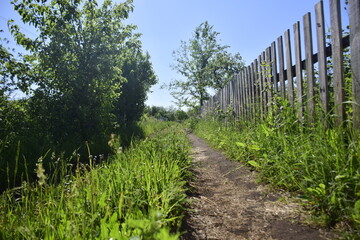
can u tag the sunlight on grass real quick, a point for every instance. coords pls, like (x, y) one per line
(136, 194)
(321, 166)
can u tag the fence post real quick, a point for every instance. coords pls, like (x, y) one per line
(235, 101)
(321, 45)
(281, 66)
(338, 61)
(274, 68)
(245, 94)
(232, 96)
(251, 91)
(257, 92)
(263, 82)
(354, 7)
(298, 69)
(309, 67)
(248, 93)
(289, 72)
(269, 88)
(260, 86)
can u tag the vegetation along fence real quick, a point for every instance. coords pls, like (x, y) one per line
(325, 82)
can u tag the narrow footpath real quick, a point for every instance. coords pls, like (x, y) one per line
(227, 203)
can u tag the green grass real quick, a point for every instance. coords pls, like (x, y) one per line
(137, 194)
(19, 156)
(151, 125)
(321, 166)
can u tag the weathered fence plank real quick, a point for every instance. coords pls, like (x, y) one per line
(252, 92)
(354, 7)
(249, 81)
(289, 72)
(274, 67)
(241, 112)
(338, 61)
(310, 76)
(233, 91)
(238, 96)
(228, 105)
(243, 94)
(281, 66)
(253, 89)
(261, 86)
(263, 82)
(298, 69)
(236, 99)
(321, 46)
(230, 97)
(222, 96)
(257, 87)
(248, 89)
(268, 78)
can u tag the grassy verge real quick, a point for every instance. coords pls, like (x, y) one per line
(320, 166)
(18, 157)
(136, 195)
(140, 130)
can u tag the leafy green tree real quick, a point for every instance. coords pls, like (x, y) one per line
(181, 115)
(76, 64)
(138, 71)
(11, 70)
(205, 64)
(81, 75)
(5, 86)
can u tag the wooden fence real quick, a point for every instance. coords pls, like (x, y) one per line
(307, 87)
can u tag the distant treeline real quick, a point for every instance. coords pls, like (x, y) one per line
(166, 114)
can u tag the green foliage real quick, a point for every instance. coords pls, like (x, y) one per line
(137, 194)
(76, 61)
(169, 114)
(205, 64)
(321, 165)
(140, 77)
(85, 77)
(135, 131)
(151, 125)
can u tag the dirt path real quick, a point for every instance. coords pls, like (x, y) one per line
(227, 203)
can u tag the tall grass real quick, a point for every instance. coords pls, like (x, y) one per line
(20, 155)
(137, 194)
(322, 166)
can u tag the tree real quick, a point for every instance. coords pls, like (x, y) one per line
(205, 64)
(81, 75)
(140, 76)
(76, 64)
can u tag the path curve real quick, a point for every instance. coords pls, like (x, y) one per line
(227, 203)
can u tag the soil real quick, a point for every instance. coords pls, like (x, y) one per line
(226, 202)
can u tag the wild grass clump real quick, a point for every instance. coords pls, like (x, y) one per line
(321, 165)
(133, 131)
(137, 194)
(151, 125)
(17, 157)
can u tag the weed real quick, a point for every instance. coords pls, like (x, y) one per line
(136, 194)
(321, 165)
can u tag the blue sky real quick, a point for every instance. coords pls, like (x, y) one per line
(248, 27)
